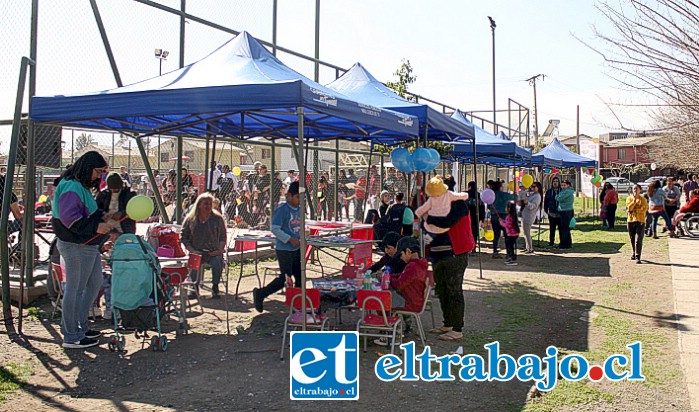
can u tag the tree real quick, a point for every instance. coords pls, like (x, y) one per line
(83, 141)
(654, 49)
(405, 79)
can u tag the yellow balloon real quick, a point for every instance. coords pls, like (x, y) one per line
(238, 201)
(511, 186)
(42, 198)
(527, 180)
(140, 207)
(489, 235)
(236, 171)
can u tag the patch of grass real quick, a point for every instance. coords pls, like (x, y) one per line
(33, 312)
(620, 287)
(12, 377)
(568, 394)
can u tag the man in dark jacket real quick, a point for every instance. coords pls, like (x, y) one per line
(551, 208)
(113, 200)
(395, 263)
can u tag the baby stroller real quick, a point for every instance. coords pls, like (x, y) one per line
(139, 294)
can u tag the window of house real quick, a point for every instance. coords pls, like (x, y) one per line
(164, 157)
(621, 154)
(244, 159)
(266, 154)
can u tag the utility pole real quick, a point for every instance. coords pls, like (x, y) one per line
(577, 144)
(532, 82)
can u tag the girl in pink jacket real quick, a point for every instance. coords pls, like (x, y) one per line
(511, 225)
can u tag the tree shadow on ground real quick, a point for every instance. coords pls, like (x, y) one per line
(565, 264)
(243, 371)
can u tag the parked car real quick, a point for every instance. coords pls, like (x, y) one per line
(620, 184)
(644, 184)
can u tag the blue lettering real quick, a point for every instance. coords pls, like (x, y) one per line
(409, 356)
(529, 368)
(473, 368)
(494, 359)
(383, 364)
(445, 362)
(636, 362)
(566, 367)
(425, 358)
(609, 370)
(551, 361)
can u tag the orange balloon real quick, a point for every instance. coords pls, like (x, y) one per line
(598, 184)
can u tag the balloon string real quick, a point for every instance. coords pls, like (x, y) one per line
(100, 234)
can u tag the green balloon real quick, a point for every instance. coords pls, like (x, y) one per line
(481, 232)
(408, 216)
(572, 223)
(139, 207)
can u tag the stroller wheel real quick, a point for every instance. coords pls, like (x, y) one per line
(112, 345)
(163, 343)
(154, 343)
(120, 344)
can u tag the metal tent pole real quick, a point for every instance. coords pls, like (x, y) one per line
(478, 199)
(302, 212)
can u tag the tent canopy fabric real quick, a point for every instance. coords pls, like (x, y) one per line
(238, 90)
(358, 83)
(496, 150)
(558, 152)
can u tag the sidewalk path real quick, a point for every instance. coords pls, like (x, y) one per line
(685, 281)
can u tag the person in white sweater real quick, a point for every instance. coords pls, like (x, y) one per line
(531, 204)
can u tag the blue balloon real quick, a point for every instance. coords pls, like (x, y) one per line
(424, 160)
(434, 158)
(402, 160)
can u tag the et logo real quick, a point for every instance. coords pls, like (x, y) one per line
(324, 365)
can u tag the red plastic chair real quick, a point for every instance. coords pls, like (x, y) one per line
(58, 279)
(294, 300)
(381, 324)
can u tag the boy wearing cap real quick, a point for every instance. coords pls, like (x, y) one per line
(409, 284)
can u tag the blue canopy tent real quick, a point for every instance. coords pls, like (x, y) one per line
(489, 149)
(557, 152)
(240, 90)
(359, 84)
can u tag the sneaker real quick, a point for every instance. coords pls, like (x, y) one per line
(638, 262)
(633, 257)
(496, 256)
(82, 344)
(257, 298)
(529, 252)
(384, 342)
(214, 292)
(508, 260)
(511, 263)
(93, 334)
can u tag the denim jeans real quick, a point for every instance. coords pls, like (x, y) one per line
(655, 217)
(216, 263)
(83, 273)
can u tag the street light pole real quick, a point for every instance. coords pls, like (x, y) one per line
(492, 28)
(161, 55)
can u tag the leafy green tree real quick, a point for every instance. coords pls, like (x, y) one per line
(405, 79)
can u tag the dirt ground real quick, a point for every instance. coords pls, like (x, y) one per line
(593, 300)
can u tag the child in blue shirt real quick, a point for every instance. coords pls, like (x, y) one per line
(286, 225)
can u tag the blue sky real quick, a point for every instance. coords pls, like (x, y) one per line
(447, 42)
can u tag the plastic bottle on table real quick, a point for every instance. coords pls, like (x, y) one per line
(367, 280)
(386, 278)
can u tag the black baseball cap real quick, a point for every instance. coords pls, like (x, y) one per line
(407, 242)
